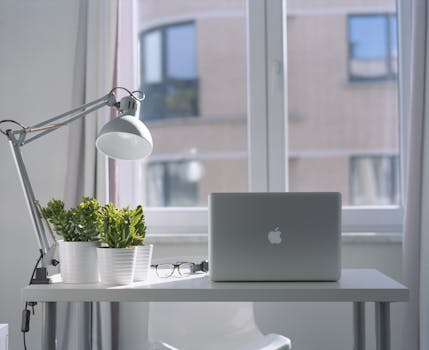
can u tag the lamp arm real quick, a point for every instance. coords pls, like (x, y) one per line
(31, 202)
(47, 126)
(17, 139)
(105, 99)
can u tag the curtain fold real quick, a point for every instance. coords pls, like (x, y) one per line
(416, 237)
(85, 326)
(93, 78)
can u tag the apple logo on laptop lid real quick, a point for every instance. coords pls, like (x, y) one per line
(275, 236)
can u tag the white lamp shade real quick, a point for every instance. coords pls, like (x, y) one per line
(126, 138)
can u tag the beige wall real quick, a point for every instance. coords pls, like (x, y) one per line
(158, 11)
(204, 134)
(333, 118)
(336, 113)
(222, 77)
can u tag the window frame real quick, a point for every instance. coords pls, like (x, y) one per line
(267, 128)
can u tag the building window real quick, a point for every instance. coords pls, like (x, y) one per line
(374, 180)
(373, 50)
(173, 183)
(169, 71)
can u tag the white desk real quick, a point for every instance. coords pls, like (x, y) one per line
(356, 285)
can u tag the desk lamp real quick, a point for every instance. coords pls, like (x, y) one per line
(124, 137)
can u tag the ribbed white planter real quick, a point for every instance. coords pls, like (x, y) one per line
(116, 265)
(78, 262)
(143, 260)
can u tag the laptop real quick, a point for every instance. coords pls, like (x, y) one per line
(288, 236)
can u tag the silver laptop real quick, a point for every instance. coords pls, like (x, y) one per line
(275, 236)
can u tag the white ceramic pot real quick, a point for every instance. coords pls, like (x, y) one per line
(116, 265)
(78, 262)
(143, 260)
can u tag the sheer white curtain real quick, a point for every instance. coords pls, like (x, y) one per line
(84, 325)
(93, 78)
(416, 239)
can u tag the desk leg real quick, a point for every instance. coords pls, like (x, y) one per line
(359, 325)
(382, 325)
(49, 324)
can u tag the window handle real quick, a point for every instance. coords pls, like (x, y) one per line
(277, 75)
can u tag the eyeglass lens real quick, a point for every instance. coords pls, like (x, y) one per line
(165, 270)
(185, 269)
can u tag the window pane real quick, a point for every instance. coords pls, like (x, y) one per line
(152, 57)
(393, 27)
(374, 180)
(368, 37)
(372, 46)
(197, 112)
(174, 91)
(343, 132)
(181, 55)
(173, 183)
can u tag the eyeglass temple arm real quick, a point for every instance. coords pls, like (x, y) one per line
(202, 266)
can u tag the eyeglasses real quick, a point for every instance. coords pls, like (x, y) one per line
(183, 268)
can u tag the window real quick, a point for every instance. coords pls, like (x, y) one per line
(193, 72)
(337, 122)
(302, 128)
(173, 184)
(374, 180)
(372, 46)
(168, 67)
(329, 122)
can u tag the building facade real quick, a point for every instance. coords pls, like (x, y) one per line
(341, 96)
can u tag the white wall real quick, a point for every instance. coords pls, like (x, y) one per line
(37, 41)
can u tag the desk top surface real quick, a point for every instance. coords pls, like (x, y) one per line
(354, 285)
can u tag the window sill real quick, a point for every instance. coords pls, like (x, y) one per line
(346, 238)
(195, 120)
(369, 237)
(365, 83)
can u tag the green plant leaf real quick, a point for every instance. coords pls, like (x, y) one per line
(122, 228)
(76, 224)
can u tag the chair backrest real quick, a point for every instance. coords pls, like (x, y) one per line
(188, 325)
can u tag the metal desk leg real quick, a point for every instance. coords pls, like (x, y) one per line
(49, 324)
(382, 325)
(359, 325)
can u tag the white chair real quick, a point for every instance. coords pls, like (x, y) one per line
(208, 326)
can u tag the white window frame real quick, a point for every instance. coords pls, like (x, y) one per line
(267, 130)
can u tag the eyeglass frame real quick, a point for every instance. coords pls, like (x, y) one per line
(203, 266)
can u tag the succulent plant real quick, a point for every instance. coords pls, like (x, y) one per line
(80, 224)
(138, 226)
(122, 228)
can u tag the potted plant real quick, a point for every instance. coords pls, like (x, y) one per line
(143, 252)
(80, 228)
(117, 258)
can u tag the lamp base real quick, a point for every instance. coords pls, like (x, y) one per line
(41, 276)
